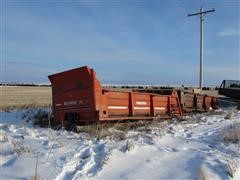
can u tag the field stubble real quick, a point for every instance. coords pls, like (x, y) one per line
(23, 97)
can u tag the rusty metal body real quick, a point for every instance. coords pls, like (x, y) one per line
(79, 98)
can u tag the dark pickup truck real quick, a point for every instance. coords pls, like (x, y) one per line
(230, 88)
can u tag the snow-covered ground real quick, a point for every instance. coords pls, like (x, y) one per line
(177, 150)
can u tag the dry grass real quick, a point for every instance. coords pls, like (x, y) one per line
(23, 97)
(103, 130)
(202, 174)
(18, 148)
(232, 135)
(41, 118)
(119, 130)
(232, 167)
(38, 177)
(229, 115)
(129, 146)
(3, 137)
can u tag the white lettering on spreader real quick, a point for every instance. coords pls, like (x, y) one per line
(68, 103)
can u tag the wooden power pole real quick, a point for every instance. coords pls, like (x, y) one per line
(201, 15)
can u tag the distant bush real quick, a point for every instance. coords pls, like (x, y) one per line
(205, 88)
(24, 84)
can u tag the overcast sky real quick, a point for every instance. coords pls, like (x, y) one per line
(138, 42)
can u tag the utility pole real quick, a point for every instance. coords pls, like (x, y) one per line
(201, 15)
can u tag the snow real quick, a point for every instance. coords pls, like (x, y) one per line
(166, 150)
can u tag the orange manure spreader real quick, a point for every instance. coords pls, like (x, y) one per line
(79, 98)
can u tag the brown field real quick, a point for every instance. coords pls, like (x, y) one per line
(19, 97)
